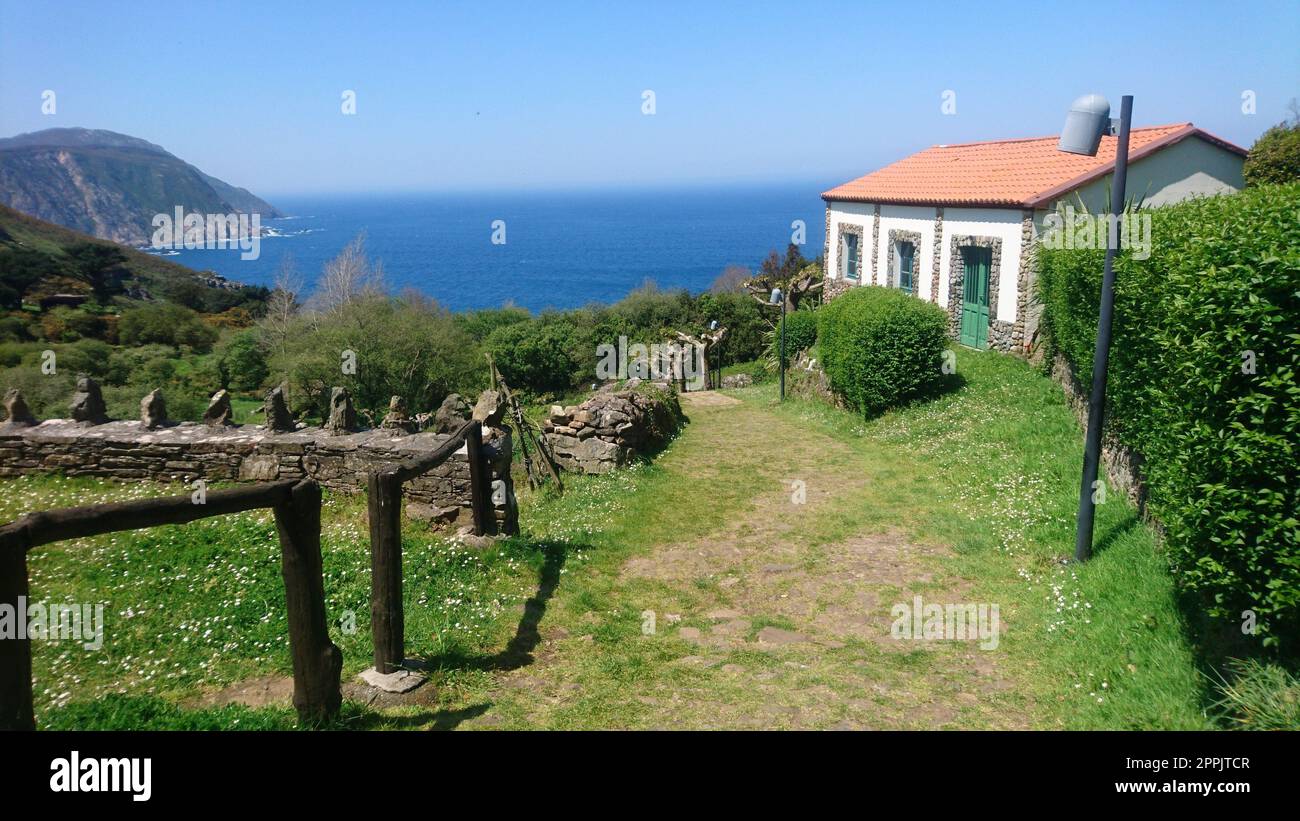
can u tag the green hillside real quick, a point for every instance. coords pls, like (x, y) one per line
(20, 232)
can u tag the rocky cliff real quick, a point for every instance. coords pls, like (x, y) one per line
(110, 185)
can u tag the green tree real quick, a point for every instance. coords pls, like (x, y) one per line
(100, 266)
(1274, 159)
(407, 346)
(540, 356)
(241, 362)
(20, 269)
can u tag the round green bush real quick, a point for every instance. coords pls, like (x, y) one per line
(880, 346)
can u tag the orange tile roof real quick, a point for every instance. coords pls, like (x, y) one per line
(1021, 173)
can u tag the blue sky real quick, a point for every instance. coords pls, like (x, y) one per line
(538, 96)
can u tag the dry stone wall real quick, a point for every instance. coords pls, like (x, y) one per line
(612, 427)
(189, 451)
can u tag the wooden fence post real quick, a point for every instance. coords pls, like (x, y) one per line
(480, 490)
(317, 662)
(387, 623)
(15, 653)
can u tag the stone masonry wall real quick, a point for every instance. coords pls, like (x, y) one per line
(189, 451)
(611, 428)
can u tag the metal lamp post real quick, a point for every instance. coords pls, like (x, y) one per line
(1088, 120)
(716, 367)
(778, 297)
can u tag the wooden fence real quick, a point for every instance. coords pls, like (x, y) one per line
(387, 622)
(317, 662)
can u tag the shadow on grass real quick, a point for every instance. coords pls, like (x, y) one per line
(1115, 532)
(426, 720)
(1231, 660)
(946, 384)
(518, 652)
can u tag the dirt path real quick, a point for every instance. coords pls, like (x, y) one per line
(777, 618)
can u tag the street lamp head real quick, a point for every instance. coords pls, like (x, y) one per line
(776, 296)
(713, 325)
(1088, 120)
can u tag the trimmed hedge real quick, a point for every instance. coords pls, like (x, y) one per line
(880, 346)
(1220, 293)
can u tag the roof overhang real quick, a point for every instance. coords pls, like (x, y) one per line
(1147, 150)
(1043, 198)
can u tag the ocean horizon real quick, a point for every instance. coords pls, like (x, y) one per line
(561, 249)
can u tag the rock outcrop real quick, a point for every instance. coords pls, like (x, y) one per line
(490, 408)
(396, 420)
(277, 413)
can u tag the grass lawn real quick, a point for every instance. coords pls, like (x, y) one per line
(698, 591)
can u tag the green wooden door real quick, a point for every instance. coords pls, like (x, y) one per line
(975, 296)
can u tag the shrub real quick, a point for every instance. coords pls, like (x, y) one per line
(539, 356)
(46, 395)
(165, 324)
(127, 364)
(88, 356)
(407, 346)
(1204, 381)
(800, 335)
(880, 346)
(64, 324)
(480, 324)
(744, 320)
(15, 329)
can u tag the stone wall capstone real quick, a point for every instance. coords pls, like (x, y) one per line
(187, 451)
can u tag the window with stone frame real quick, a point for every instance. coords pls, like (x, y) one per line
(850, 254)
(905, 265)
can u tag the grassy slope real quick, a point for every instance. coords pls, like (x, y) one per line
(1000, 462)
(978, 487)
(54, 239)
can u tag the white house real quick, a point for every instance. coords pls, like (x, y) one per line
(957, 224)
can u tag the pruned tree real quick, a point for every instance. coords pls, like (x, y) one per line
(706, 343)
(798, 278)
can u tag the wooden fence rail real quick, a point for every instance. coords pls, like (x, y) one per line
(387, 621)
(317, 662)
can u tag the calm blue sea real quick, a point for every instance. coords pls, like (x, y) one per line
(562, 250)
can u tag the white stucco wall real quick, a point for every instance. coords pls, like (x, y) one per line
(1191, 168)
(919, 219)
(984, 222)
(851, 213)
